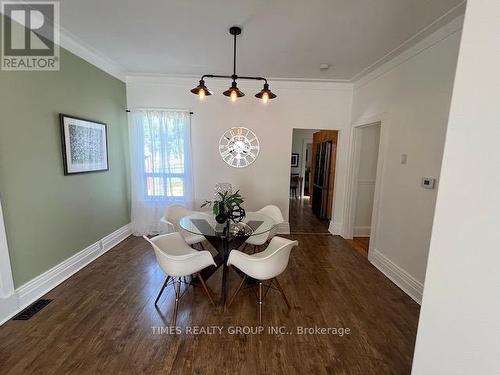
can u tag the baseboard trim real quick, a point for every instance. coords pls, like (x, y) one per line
(27, 293)
(284, 228)
(397, 275)
(362, 231)
(335, 228)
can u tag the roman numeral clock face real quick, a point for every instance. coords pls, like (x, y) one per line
(239, 147)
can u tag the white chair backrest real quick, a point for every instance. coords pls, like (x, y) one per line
(268, 263)
(173, 254)
(174, 213)
(274, 213)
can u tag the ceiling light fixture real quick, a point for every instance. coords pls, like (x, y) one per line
(233, 92)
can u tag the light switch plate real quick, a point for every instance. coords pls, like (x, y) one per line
(428, 182)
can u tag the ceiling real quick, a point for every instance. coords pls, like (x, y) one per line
(281, 38)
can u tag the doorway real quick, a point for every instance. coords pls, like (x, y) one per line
(366, 159)
(312, 180)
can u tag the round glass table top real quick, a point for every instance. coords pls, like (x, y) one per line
(204, 223)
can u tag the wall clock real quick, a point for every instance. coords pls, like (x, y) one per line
(239, 147)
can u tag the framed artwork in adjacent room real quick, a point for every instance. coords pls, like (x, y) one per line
(84, 145)
(295, 160)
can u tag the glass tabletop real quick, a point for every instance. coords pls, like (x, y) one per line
(204, 223)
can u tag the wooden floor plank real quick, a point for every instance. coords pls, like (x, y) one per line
(101, 320)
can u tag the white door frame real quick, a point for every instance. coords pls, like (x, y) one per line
(381, 119)
(305, 142)
(6, 281)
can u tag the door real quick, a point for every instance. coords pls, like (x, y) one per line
(322, 179)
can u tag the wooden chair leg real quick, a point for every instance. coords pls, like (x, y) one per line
(282, 292)
(162, 289)
(260, 304)
(206, 289)
(235, 293)
(177, 285)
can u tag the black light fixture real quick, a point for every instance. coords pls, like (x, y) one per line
(265, 94)
(233, 92)
(201, 90)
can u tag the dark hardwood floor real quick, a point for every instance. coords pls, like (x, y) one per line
(302, 219)
(102, 321)
(360, 244)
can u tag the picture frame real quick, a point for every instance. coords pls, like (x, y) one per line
(295, 160)
(84, 145)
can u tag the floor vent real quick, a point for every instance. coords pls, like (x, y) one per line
(32, 309)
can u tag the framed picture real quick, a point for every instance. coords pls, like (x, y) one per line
(84, 145)
(295, 160)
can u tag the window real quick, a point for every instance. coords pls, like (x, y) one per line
(164, 157)
(160, 149)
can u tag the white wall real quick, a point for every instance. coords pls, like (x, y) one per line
(367, 172)
(413, 93)
(299, 105)
(459, 328)
(299, 136)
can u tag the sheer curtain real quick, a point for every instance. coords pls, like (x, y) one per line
(161, 171)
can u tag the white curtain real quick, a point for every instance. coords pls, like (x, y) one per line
(161, 170)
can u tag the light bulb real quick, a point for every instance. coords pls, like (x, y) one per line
(234, 96)
(201, 94)
(265, 97)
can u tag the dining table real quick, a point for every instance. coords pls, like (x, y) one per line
(225, 237)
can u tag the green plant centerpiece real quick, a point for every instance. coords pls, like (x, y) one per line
(227, 206)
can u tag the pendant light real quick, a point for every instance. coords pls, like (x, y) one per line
(265, 94)
(233, 92)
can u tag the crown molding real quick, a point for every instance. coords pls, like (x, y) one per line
(450, 29)
(452, 15)
(188, 81)
(88, 53)
(78, 47)
(73, 44)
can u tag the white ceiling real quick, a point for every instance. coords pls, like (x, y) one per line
(281, 38)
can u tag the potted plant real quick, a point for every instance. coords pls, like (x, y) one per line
(227, 206)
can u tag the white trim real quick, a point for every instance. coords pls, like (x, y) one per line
(425, 38)
(381, 119)
(305, 142)
(78, 47)
(394, 59)
(397, 275)
(42, 284)
(196, 77)
(284, 228)
(221, 83)
(6, 281)
(335, 228)
(362, 231)
(413, 45)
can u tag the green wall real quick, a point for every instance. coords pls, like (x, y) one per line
(49, 216)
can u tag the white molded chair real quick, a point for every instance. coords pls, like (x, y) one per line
(274, 213)
(263, 266)
(170, 223)
(179, 260)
